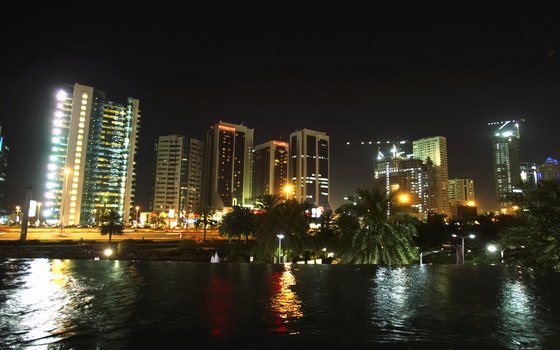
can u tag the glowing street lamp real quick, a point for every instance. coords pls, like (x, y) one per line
(288, 189)
(280, 236)
(471, 236)
(403, 198)
(108, 252)
(18, 209)
(492, 248)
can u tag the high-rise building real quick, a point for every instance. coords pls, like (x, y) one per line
(549, 171)
(461, 192)
(270, 168)
(227, 168)
(528, 173)
(3, 166)
(177, 174)
(405, 178)
(505, 150)
(435, 149)
(309, 167)
(92, 156)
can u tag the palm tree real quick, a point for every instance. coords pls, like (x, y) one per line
(237, 223)
(268, 201)
(369, 236)
(288, 218)
(111, 225)
(325, 235)
(205, 220)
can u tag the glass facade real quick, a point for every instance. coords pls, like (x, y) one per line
(506, 160)
(91, 164)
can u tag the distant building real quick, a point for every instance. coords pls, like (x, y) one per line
(461, 191)
(92, 156)
(528, 173)
(407, 179)
(435, 149)
(177, 175)
(549, 171)
(309, 167)
(464, 212)
(461, 199)
(270, 168)
(3, 167)
(506, 159)
(227, 166)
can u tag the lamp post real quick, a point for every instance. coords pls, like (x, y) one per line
(280, 236)
(17, 214)
(63, 198)
(39, 213)
(463, 246)
(137, 209)
(492, 248)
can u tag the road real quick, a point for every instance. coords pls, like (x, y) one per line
(89, 234)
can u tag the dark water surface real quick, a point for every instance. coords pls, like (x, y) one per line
(81, 304)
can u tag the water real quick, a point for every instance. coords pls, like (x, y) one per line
(81, 304)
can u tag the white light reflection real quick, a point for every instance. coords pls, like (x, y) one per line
(520, 324)
(391, 294)
(36, 305)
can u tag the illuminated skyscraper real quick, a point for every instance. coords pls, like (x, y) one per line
(528, 173)
(227, 168)
(505, 149)
(177, 174)
(404, 177)
(435, 148)
(270, 168)
(91, 162)
(461, 192)
(309, 167)
(3, 166)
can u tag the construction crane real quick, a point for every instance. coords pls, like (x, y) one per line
(508, 131)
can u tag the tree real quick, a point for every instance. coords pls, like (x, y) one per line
(369, 236)
(268, 201)
(288, 218)
(325, 236)
(237, 223)
(205, 220)
(112, 225)
(533, 237)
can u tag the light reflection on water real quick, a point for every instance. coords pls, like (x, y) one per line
(519, 312)
(284, 302)
(82, 304)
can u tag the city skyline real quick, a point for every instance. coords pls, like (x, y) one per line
(397, 74)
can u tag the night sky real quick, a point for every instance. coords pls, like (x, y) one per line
(357, 73)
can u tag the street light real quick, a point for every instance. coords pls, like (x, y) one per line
(492, 248)
(137, 208)
(288, 189)
(463, 246)
(39, 213)
(280, 236)
(17, 214)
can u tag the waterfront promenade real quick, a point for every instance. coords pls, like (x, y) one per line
(12, 233)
